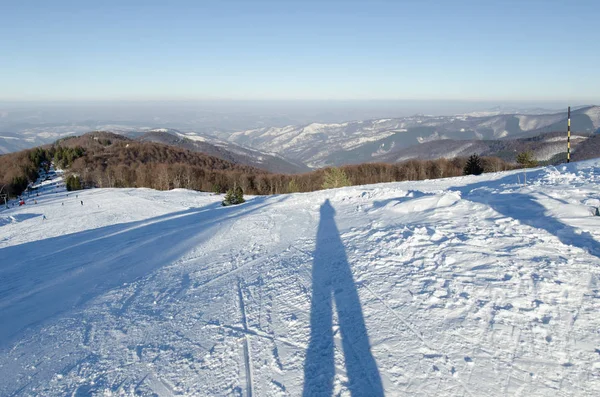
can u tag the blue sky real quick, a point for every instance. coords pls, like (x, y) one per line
(161, 50)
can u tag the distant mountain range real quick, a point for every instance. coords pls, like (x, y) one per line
(295, 148)
(319, 145)
(11, 142)
(546, 147)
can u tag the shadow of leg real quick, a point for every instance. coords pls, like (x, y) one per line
(332, 277)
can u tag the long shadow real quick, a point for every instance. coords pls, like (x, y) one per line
(23, 252)
(527, 210)
(332, 281)
(6, 220)
(58, 274)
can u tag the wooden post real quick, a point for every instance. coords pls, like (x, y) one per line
(569, 135)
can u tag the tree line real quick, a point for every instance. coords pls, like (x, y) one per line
(19, 169)
(108, 160)
(165, 176)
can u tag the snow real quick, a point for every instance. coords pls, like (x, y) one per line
(564, 138)
(430, 138)
(193, 137)
(361, 140)
(528, 123)
(316, 128)
(594, 114)
(497, 124)
(475, 286)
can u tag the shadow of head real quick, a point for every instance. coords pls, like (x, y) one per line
(327, 209)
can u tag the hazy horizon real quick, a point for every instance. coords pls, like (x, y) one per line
(208, 116)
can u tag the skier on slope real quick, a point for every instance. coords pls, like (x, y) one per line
(81, 202)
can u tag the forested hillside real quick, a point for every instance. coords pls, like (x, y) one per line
(102, 159)
(224, 150)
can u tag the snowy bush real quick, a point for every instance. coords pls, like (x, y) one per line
(233, 197)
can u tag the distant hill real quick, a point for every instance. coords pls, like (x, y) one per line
(112, 160)
(115, 149)
(104, 159)
(545, 147)
(590, 149)
(11, 142)
(291, 149)
(224, 150)
(354, 142)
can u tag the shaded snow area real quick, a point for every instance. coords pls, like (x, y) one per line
(471, 286)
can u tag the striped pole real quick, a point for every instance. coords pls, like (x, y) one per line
(569, 135)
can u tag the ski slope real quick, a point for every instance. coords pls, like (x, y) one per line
(471, 286)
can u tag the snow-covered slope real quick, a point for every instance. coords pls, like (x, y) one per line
(593, 113)
(471, 286)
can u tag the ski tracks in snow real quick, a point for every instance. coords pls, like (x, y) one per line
(460, 296)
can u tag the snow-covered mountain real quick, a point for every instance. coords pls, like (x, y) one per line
(321, 144)
(229, 151)
(31, 136)
(473, 286)
(544, 148)
(10, 142)
(360, 141)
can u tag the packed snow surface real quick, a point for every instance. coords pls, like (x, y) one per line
(472, 286)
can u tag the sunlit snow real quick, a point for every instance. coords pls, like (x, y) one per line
(474, 286)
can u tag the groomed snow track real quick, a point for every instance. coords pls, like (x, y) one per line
(466, 286)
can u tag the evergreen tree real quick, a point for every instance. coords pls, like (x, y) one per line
(216, 188)
(233, 197)
(229, 198)
(239, 195)
(73, 183)
(293, 186)
(473, 166)
(526, 160)
(335, 177)
(19, 184)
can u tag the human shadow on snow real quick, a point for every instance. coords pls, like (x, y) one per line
(42, 279)
(332, 281)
